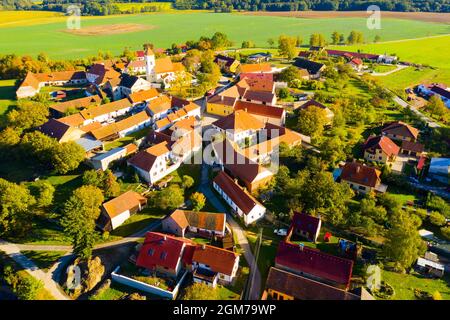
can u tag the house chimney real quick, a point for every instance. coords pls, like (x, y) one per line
(358, 169)
(301, 246)
(203, 247)
(221, 98)
(165, 237)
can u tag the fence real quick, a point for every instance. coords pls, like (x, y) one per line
(147, 287)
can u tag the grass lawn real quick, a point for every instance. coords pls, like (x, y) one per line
(7, 96)
(44, 259)
(404, 285)
(381, 68)
(233, 292)
(402, 195)
(116, 291)
(137, 222)
(193, 170)
(49, 34)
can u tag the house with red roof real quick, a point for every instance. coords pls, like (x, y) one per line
(313, 264)
(241, 202)
(305, 226)
(170, 255)
(380, 149)
(400, 131)
(362, 178)
(356, 64)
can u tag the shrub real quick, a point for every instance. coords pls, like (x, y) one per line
(446, 232)
(437, 219)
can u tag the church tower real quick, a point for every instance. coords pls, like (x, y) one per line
(149, 64)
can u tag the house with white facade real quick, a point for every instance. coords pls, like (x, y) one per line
(105, 112)
(241, 202)
(162, 70)
(101, 161)
(116, 211)
(203, 224)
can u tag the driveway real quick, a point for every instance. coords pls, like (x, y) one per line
(405, 104)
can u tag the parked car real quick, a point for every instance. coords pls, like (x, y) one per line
(280, 232)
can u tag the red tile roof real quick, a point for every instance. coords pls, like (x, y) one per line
(361, 174)
(245, 201)
(413, 146)
(367, 56)
(400, 128)
(313, 262)
(305, 222)
(259, 109)
(239, 121)
(160, 250)
(384, 143)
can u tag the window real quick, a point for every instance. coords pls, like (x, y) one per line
(380, 158)
(163, 255)
(151, 252)
(362, 188)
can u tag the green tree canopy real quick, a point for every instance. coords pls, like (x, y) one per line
(198, 200)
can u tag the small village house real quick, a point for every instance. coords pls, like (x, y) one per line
(400, 131)
(204, 224)
(116, 211)
(241, 202)
(361, 178)
(227, 64)
(380, 149)
(305, 226)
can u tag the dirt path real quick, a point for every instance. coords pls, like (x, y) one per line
(50, 285)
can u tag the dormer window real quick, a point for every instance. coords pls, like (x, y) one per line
(163, 255)
(151, 252)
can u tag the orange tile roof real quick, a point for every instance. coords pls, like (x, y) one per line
(106, 108)
(163, 65)
(124, 202)
(144, 95)
(239, 121)
(162, 123)
(255, 67)
(30, 81)
(219, 260)
(384, 143)
(115, 128)
(160, 104)
(146, 158)
(203, 220)
(260, 109)
(73, 120)
(91, 126)
(131, 148)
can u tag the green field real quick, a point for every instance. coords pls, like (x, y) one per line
(433, 52)
(167, 28)
(7, 96)
(162, 6)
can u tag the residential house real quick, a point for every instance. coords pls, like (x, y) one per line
(210, 263)
(170, 255)
(227, 64)
(362, 178)
(105, 112)
(413, 149)
(130, 84)
(440, 170)
(33, 82)
(313, 264)
(101, 161)
(144, 96)
(163, 253)
(242, 203)
(263, 113)
(255, 68)
(353, 55)
(90, 145)
(136, 67)
(99, 74)
(356, 64)
(439, 90)
(61, 131)
(123, 127)
(305, 226)
(380, 149)
(61, 108)
(116, 211)
(285, 285)
(203, 224)
(259, 57)
(314, 68)
(400, 131)
(239, 127)
(269, 140)
(231, 159)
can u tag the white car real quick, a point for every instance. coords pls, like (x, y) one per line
(280, 232)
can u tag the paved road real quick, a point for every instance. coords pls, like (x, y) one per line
(383, 74)
(49, 283)
(255, 274)
(405, 104)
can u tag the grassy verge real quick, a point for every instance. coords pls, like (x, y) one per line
(44, 259)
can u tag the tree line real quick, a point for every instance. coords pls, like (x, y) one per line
(107, 7)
